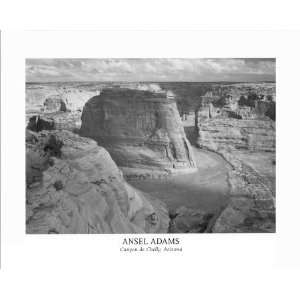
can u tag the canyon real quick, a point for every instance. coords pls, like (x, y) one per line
(247, 142)
(136, 158)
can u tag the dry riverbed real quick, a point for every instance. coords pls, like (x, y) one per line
(207, 189)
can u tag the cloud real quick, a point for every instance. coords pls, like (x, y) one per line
(163, 69)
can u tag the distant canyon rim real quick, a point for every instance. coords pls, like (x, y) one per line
(150, 157)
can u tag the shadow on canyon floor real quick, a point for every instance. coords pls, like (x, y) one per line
(206, 189)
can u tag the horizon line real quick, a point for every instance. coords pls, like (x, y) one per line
(152, 81)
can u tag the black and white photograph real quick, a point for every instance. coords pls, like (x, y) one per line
(149, 150)
(150, 145)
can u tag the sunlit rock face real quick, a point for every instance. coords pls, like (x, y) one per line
(54, 98)
(55, 103)
(252, 194)
(254, 135)
(140, 129)
(220, 128)
(73, 186)
(246, 139)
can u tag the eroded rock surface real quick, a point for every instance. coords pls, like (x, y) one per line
(246, 140)
(228, 132)
(53, 98)
(140, 129)
(187, 220)
(37, 123)
(55, 103)
(252, 200)
(56, 120)
(73, 186)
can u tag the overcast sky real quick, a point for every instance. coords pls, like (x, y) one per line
(170, 69)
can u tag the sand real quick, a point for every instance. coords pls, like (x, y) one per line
(206, 189)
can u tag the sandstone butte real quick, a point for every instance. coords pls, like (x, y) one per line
(73, 186)
(141, 130)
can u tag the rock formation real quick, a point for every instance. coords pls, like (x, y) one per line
(37, 123)
(73, 186)
(53, 97)
(187, 220)
(140, 129)
(252, 200)
(248, 145)
(255, 135)
(54, 103)
(221, 128)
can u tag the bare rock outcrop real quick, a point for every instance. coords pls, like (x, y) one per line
(141, 130)
(55, 103)
(73, 186)
(37, 123)
(187, 220)
(248, 145)
(56, 120)
(252, 201)
(254, 135)
(55, 97)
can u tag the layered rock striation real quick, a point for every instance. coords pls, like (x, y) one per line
(141, 130)
(53, 98)
(253, 135)
(222, 128)
(55, 103)
(248, 144)
(73, 186)
(252, 200)
(59, 106)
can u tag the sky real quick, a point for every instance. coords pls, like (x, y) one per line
(162, 69)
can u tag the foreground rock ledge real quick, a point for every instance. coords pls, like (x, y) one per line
(73, 186)
(141, 130)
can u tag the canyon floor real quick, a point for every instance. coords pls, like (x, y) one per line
(223, 168)
(207, 189)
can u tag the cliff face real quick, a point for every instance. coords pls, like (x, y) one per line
(60, 106)
(54, 103)
(140, 129)
(73, 186)
(48, 98)
(252, 196)
(248, 145)
(222, 131)
(255, 135)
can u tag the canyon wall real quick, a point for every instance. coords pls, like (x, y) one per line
(252, 206)
(59, 105)
(254, 135)
(141, 130)
(51, 98)
(222, 128)
(73, 186)
(246, 139)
